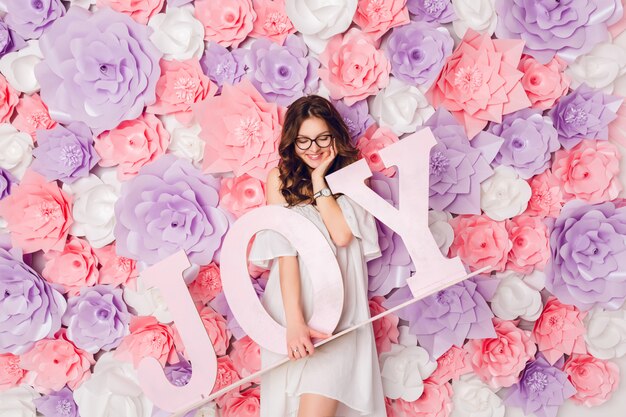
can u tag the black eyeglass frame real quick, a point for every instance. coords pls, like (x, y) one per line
(322, 136)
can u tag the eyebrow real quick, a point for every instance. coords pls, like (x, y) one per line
(321, 134)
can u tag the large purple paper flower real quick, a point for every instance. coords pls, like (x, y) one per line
(567, 27)
(356, 117)
(100, 68)
(439, 11)
(169, 206)
(7, 180)
(584, 113)
(223, 66)
(30, 18)
(30, 309)
(529, 140)
(588, 244)
(417, 52)
(97, 319)
(65, 153)
(57, 404)
(282, 74)
(9, 40)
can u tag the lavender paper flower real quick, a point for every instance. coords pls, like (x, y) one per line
(568, 27)
(529, 140)
(7, 180)
(223, 66)
(30, 18)
(58, 404)
(588, 261)
(97, 319)
(9, 40)
(541, 390)
(65, 153)
(282, 74)
(417, 52)
(438, 11)
(100, 68)
(584, 113)
(179, 373)
(169, 206)
(356, 117)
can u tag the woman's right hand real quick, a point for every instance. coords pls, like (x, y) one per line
(299, 342)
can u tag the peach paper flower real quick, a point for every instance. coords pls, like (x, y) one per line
(140, 10)
(75, 267)
(32, 115)
(116, 270)
(595, 379)
(241, 194)
(11, 373)
(546, 199)
(375, 139)
(385, 329)
(207, 284)
(271, 21)
(246, 356)
(226, 22)
(376, 17)
(216, 327)
(150, 338)
(544, 83)
(451, 365)
(530, 240)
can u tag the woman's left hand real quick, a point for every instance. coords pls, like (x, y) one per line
(320, 171)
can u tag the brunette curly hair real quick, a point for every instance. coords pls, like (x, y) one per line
(294, 174)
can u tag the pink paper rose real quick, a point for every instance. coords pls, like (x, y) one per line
(226, 374)
(11, 372)
(376, 17)
(226, 22)
(451, 365)
(595, 379)
(353, 68)
(140, 10)
(499, 361)
(241, 194)
(242, 404)
(544, 83)
(38, 213)
(181, 84)
(530, 240)
(32, 115)
(75, 267)
(559, 330)
(375, 139)
(480, 82)
(207, 284)
(241, 131)
(217, 329)
(150, 338)
(8, 100)
(116, 270)
(385, 329)
(480, 241)
(53, 363)
(589, 171)
(547, 197)
(436, 401)
(132, 144)
(246, 356)
(271, 21)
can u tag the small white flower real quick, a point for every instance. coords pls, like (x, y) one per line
(16, 150)
(479, 15)
(516, 299)
(406, 339)
(504, 195)
(208, 410)
(185, 141)
(474, 398)
(403, 371)
(85, 4)
(606, 333)
(19, 67)
(438, 223)
(147, 302)
(178, 34)
(18, 402)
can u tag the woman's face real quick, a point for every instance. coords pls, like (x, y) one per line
(312, 128)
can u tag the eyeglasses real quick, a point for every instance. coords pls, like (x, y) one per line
(323, 141)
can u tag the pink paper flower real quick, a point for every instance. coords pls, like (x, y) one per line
(271, 21)
(8, 100)
(226, 22)
(595, 379)
(451, 365)
(207, 284)
(241, 131)
(385, 329)
(480, 241)
(376, 17)
(559, 330)
(75, 267)
(499, 361)
(226, 374)
(116, 270)
(11, 372)
(53, 363)
(38, 213)
(148, 338)
(246, 356)
(589, 171)
(32, 115)
(241, 194)
(140, 10)
(436, 401)
(353, 68)
(530, 240)
(181, 84)
(375, 139)
(547, 197)
(242, 404)
(216, 327)
(544, 83)
(480, 82)
(132, 144)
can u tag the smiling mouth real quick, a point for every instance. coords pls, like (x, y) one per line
(315, 157)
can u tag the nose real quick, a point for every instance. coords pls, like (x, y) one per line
(314, 147)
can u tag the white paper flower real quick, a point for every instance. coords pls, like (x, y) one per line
(185, 141)
(318, 21)
(112, 391)
(16, 150)
(400, 107)
(178, 34)
(474, 398)
(406, 338)
(515, 299)
(19, 67)
(208, 410)
(606, 333)
(147, 301)
(93, 209)
(403, 371)
(438, 223)
(85, 4)
(479, 15)
(18, 402)
(504, 194)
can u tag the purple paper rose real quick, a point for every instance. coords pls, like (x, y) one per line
(417, 52)
(356, 117)
(97, 319)
(584, 113)
(170, 205)
(9, 40)
(588, 244)
(30, 18)
(57, 404)
(179, 373)
(439, 11)
(282, 74)
(7, 180)
(223, 66)
(65, 153)
(100, 68)
(529, 140)
(30, 309)
(567, 27)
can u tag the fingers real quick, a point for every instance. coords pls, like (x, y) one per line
(298, 351)
(318, 334)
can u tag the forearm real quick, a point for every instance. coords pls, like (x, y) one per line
(332, 216)
(289, 272)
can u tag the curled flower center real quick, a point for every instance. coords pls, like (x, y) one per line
(378, 10)
(209, 281)
(283, 71)
(103, 314)
(434, 7)
(64, 407)
(49, 211)
(248, 131)
(157, 343)
(71, 155)
(38, 118)
(182, 380)
(416, 54)
(444, 297)
(537, 382)
(185, 89)
(468, 79)
(37, 4)
(518, 143)
(13, 367)
(276, 22)
(576, 116)
(224, 377)
(223, 68)
(556, 322)
(438, 163)
(123, 264)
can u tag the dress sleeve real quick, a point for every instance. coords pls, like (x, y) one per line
(268, 245)
(363, 226)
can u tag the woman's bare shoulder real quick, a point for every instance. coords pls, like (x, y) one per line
(273, 186)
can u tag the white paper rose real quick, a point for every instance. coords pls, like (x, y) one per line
(403, 370)
(19, 67)
(474, 398)
(208, 410)
(406, 338)
(400, 107)
(438, 223)
(112, 391)
(479, 15)
(85, 4)
(147, 302)
(606, 333)
(16, 150)
(94, 207)
(504, 195)
(515, 299)
(185, 141)
(18, 402)
(178, 34)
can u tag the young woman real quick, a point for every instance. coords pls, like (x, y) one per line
(341, 378)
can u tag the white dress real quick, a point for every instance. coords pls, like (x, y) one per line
(347, 368)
